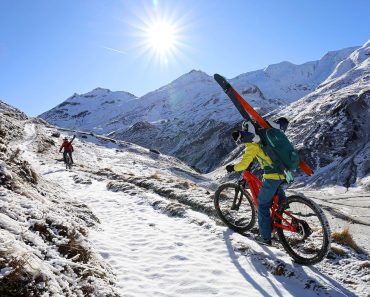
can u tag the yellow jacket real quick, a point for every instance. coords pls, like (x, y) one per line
(254, 150)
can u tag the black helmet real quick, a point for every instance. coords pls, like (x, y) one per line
(283, 123)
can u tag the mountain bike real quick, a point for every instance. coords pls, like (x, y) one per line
(300, 223)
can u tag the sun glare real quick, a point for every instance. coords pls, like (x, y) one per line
(162, 34)
(162, 39)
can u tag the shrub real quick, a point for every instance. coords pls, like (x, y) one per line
(155, 176)
(20, 283)
(344, 237)
(338, 251)
(74, 247)
(14, 155)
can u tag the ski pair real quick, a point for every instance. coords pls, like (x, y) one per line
(248, 113)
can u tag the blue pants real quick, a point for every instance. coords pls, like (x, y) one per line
(265, 197)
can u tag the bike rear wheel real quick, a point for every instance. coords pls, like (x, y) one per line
(311, 242)
(235, 208)
(68, 162)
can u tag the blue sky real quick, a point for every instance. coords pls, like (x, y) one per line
(50, 49)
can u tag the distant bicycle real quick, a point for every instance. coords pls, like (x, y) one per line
(300, 223)
(68, 162)
(68, 150)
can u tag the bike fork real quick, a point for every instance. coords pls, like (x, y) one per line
(236, 202)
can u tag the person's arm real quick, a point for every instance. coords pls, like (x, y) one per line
(61, 147)
(249, 154)
(71, 147)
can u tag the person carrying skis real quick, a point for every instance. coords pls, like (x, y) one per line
(272, 179)
(68, 149)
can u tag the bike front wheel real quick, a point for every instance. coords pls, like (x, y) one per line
(309, 243)
(235, 208)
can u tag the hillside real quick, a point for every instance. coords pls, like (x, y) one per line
(332, 124)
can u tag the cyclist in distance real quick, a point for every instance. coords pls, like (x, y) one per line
(272, 179)
(68, 149)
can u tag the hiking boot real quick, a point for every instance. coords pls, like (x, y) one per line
(263, 241)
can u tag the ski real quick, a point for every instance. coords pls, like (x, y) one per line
(248, 112)
(73, 138)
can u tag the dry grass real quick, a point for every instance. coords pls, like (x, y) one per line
(14, 155)
(338, 251)
(155, 176)
(43, 231)
(27, 173)
(344, 237)
(186, 184)
(75, 248)
(2, 132)
(34, 176)
(3, 148)
(365, 265)
(19, 283)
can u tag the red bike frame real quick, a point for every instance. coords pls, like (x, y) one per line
(254, 185)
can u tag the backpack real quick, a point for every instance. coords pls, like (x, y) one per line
(281, 151)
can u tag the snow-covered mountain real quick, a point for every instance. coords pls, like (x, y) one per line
(191, 117)
(332, 124)
(289, 82)
(129, 222)
(90, 111)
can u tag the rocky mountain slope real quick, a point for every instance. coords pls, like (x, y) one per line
(332, 124)
(191, 118)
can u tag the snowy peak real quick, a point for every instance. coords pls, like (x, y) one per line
(289, 82)
(90, 110)
(192, 77)
(276, 69)
(356, 58)
(101, 92)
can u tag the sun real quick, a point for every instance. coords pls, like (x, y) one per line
(162, 38)
(161, 34)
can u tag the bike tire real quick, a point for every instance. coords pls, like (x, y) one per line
(68, 162)
(322, 222)
(247, 210)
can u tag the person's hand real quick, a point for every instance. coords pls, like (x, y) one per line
(230, 168)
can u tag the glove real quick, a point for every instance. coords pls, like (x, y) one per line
(230, 168)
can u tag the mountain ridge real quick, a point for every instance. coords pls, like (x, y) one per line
(172, 114)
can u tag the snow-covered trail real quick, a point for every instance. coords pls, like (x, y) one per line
(156, 255)
(153, 254)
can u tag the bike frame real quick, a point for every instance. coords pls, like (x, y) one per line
(254, 185)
